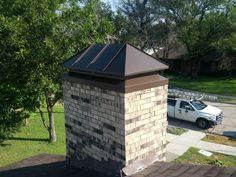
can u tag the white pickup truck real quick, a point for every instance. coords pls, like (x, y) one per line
(194, 111)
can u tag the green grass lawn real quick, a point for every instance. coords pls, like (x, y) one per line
(220, 140)
(193, 157)
(216, 85)
(33, 139)
(176, 130)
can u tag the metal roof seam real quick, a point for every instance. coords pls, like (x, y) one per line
(117, 61)
(114, 57)
(97, 56)
(82, 55)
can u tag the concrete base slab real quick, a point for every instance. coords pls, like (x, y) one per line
(170, 156)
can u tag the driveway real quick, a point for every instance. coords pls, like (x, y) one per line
(228, 126)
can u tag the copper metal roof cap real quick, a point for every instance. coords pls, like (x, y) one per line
(117, 61)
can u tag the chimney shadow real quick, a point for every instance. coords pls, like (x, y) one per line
(54, 169)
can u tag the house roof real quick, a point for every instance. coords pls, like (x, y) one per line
(174, 53)
(46, 165)
(118, 61)
(163, 169)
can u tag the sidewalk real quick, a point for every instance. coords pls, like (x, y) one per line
(178, 145)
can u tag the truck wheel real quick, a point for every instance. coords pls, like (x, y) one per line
(202, 123)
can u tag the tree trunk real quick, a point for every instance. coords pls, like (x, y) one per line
(194, 72)
(26, 121)
(195, 65)
(52, 131)
(51, 127)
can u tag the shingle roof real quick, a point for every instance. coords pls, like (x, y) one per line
(163, 169)
(46, 165)
(118, 61)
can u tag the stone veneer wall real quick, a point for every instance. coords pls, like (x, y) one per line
(94, 120)
(112, 127)
(145, 123)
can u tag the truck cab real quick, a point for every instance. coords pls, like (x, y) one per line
(193, 110)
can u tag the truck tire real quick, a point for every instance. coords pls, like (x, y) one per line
(202, 123)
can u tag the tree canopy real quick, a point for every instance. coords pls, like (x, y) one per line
(199, 26)
(36, 37)
(140, 18)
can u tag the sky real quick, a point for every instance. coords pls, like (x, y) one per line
(113, 3)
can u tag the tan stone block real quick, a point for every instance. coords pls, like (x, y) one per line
(111, 113)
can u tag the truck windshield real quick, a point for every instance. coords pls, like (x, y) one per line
(199, 105)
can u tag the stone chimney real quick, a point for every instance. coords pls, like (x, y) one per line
(115, 108)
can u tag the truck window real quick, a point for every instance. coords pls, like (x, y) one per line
(171, 102)
(199, 105)
(183, 105)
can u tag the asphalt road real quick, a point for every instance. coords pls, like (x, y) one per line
(228, 126)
